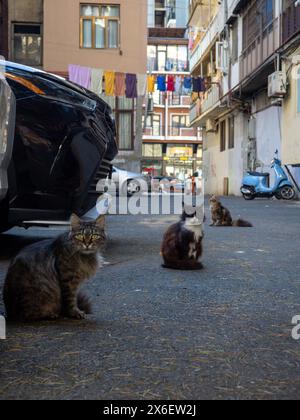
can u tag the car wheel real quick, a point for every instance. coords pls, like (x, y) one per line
(287, 193)
(133, 187)
(249, 197)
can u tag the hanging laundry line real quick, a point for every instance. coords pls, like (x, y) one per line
(180, 84)
(109, 82)
(132, 85)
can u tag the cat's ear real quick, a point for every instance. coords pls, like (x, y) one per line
(75, 221)
(100, 221)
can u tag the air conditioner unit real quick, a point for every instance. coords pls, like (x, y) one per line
(277, 85)
(211, 126)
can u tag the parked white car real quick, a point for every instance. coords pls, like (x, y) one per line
(124, 183)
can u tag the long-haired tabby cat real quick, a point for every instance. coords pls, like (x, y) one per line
(43, 281)
(182, 244)
(221, 215)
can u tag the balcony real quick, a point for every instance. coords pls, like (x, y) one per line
(170, 133)
(207, 41)
(154, 131)
(262, 48)
(207, 107)
(182, 132)
(194, 4)
(195, 111)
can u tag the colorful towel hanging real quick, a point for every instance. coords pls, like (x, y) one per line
(171, 84)
(198, 84)
(178, 84)
(161, 83)
(109, 77)
(131, 86)
(97, 81)
(187, 83)
(151, 84)
(80, 75)
(141, 84)
(120, 86)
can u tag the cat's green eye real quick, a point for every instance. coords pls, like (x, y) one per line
(79, 237)
(96, 237)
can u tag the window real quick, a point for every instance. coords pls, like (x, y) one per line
(27, 44)
(151, 58)
(124, 113)
(3, 28)
(267, 12)
(174, 99)
(168, 58)
(161, 58)
(153, 125)
(223, 136)
(259, 16)
(231, 133)
(100, 26)
(235, 42)
(178, 122)
(152, 150)
(125, 123)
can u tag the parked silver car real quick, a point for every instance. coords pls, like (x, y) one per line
(124, 183)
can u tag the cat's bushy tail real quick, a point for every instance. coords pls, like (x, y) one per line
(189, 265)
(84, 303)
(242, 223)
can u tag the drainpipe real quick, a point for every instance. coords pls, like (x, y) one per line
(167, 116)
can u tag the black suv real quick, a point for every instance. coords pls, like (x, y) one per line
(57, 140)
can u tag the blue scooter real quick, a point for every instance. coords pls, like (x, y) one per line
(256, 184)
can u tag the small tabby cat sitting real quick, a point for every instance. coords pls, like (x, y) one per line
(221, 215)
(182, 244)
(42, 282)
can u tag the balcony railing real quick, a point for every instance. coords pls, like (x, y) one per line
(195, 110)
(160, 131)
(207, 103)
(182, 132)
(213, 96)
(291, 21)
(155, 131)
(206, 42)
(260, 49)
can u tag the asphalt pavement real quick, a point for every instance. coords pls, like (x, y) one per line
(221, 333)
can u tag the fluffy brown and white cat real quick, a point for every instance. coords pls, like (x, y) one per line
(43, 281)
(221, 216)
(182, 244)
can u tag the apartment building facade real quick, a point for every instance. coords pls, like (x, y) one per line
(21, 31)
(170, 146)
(53, 34)
(3, 28)
(236, 46)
